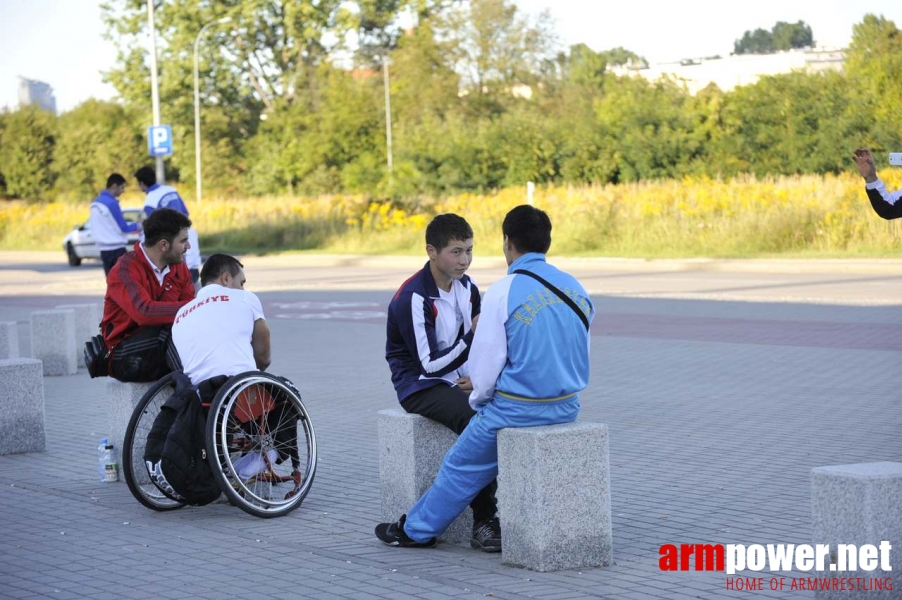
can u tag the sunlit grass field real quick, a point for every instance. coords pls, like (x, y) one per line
(799, 216)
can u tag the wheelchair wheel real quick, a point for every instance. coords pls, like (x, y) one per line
(139, 483)
(260, 444)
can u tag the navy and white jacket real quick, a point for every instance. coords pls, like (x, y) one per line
(108, 227)
(886, 204)
(421, 350)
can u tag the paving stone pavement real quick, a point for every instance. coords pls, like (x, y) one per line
(717, 413)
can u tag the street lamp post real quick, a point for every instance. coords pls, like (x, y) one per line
(154, 84)
(197, 166)
(387, 114)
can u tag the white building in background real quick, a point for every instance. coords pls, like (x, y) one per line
(738, 69)
(36, 93)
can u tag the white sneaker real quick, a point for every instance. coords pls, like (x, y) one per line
(252, 464)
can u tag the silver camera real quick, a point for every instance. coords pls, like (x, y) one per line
(895, 159)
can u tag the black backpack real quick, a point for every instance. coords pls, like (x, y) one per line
(176, 442)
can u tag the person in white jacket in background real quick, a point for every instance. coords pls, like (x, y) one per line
(108, 227)
(166, 196)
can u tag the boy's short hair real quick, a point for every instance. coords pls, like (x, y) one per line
(445, 228)
(528, 229)
(164, 224)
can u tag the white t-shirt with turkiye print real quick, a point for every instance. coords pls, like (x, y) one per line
(213, 332)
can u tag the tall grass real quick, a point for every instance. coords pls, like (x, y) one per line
(827, 216)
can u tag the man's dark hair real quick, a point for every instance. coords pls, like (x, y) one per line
(164, 224)
(146, 175)
(114, 179)
(445, 228)
(218, 264)
(528, 229)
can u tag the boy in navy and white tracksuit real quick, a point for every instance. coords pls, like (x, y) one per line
(528, 364)
(429, 334)
(108, 227)
(165, 196)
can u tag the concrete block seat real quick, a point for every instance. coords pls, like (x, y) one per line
(9, 340)
(53, 341)
(554, 496)
(553, 487)
(858, 504)
(87, 324)
(121, 401)
(22, 399)
(411, 449)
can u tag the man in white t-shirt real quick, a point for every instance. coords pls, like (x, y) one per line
(223, 331)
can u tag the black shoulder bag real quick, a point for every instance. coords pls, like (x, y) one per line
(569, 301)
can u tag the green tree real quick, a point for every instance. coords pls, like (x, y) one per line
(789, 124)
(652, 130)
(621, 56)
(424, 93)
(783, 36)
(95, 139)
(302, 148)
(494, 46)
(759, 41)
(3, 118)
(26, 152)
(874, 70)
(787, 36)
(264, 58)
(569, 101)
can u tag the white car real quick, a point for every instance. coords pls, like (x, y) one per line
(79, 243)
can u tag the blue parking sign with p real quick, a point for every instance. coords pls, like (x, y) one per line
(159, 140)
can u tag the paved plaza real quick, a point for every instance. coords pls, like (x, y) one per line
(722, 383)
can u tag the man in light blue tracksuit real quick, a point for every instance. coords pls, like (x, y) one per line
(528, 363)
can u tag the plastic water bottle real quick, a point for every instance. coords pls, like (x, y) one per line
(101, 449)
(109, 465)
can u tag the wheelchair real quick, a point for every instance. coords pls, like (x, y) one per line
(259, 442)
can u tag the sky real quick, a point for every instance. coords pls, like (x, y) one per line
(61, 41)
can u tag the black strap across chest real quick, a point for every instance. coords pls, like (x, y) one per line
(567, 299)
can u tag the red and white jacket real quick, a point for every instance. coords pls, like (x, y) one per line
(134, 297)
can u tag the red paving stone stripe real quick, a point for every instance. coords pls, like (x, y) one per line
(809, 334)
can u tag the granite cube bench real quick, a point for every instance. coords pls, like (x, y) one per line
(121, 401)
(22, 398)
(9, 340)
(53, 341)
(411, 449)
(858, 504)
(554, 496)
(87, 324)
(553, 487)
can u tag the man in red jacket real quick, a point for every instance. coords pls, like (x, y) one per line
(145, 290)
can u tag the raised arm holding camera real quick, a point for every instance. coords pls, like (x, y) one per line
(886, 204)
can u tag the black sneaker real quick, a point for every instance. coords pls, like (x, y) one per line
(393, 535)
(487, 536)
